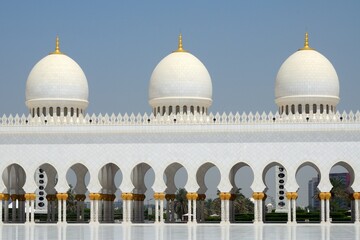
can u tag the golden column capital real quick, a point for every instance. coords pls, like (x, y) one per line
(6, 197)
(324, 195)
(127, 196)
(170, 197)
(356, 195)
(191, 196)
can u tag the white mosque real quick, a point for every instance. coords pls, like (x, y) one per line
(37, 150)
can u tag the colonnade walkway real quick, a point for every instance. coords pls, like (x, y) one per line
(102, 208)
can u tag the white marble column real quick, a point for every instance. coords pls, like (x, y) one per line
(294, 210)
(32, 203)
(1, 207)
(59, 197)
(27, 208)
(64, 209)
(289, 209)
(6, 207)
(327, 210)
(156, 210)
(322, 215)
(189, 210)
(227, 210)
(129, 210)
(162, 210)
(92, 210)
(256, 214)
(356, 201)
(194, 210)
(260, 206)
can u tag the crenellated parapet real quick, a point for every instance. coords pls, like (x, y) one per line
(182, 119)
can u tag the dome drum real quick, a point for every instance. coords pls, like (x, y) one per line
(56, 107)
(180, 105)
(307, 105)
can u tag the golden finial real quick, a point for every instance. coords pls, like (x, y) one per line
(180, 45)
(57, 46)
(306, 43)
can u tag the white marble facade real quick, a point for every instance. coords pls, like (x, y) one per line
(165, 141)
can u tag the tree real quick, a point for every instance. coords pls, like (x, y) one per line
(180, 202)
(339, 194)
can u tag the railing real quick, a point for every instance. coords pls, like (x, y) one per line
(145, 119)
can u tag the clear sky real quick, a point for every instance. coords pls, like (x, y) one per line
(119, 43)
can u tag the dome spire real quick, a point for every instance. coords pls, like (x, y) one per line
(57, 46)
(306, 43)
(180, 45)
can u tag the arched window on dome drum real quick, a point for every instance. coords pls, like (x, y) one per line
(38, 112)
(282, 110)
(51, 111)
(321, 108)
(287, 109)
(293, 109)
(177, 110)
(307, 108)
(314, 108)
(192, 109)
(327, 109)
(58, 111)
(77, 112)
(44, 111)
(164, 110)
(203, 110)
(184, 109)
(300, 109)
(332, 108)
(72, 112)
(65, 111)
(198, 109)
(170, 110)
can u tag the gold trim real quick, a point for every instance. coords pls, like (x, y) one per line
(306, 43)
(57, 46)
(180, 45)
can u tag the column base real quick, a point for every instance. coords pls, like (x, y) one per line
(225, 223)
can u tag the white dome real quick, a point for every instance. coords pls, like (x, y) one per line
(180, 79)
(57, 81)
(307, 77)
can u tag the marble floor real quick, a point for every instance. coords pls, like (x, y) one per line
(180, 231)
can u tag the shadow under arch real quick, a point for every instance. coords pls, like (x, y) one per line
(203, 181)
(240, 207)
(234, 170)
(14, 178)
(110, 177)
(169, 177)
(341, 192)
(139, 173)
(46, 178)
(350, 171)
(78, 178)
(173, 189)
(308, 176)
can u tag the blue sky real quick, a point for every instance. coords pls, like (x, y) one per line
(119, 43)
